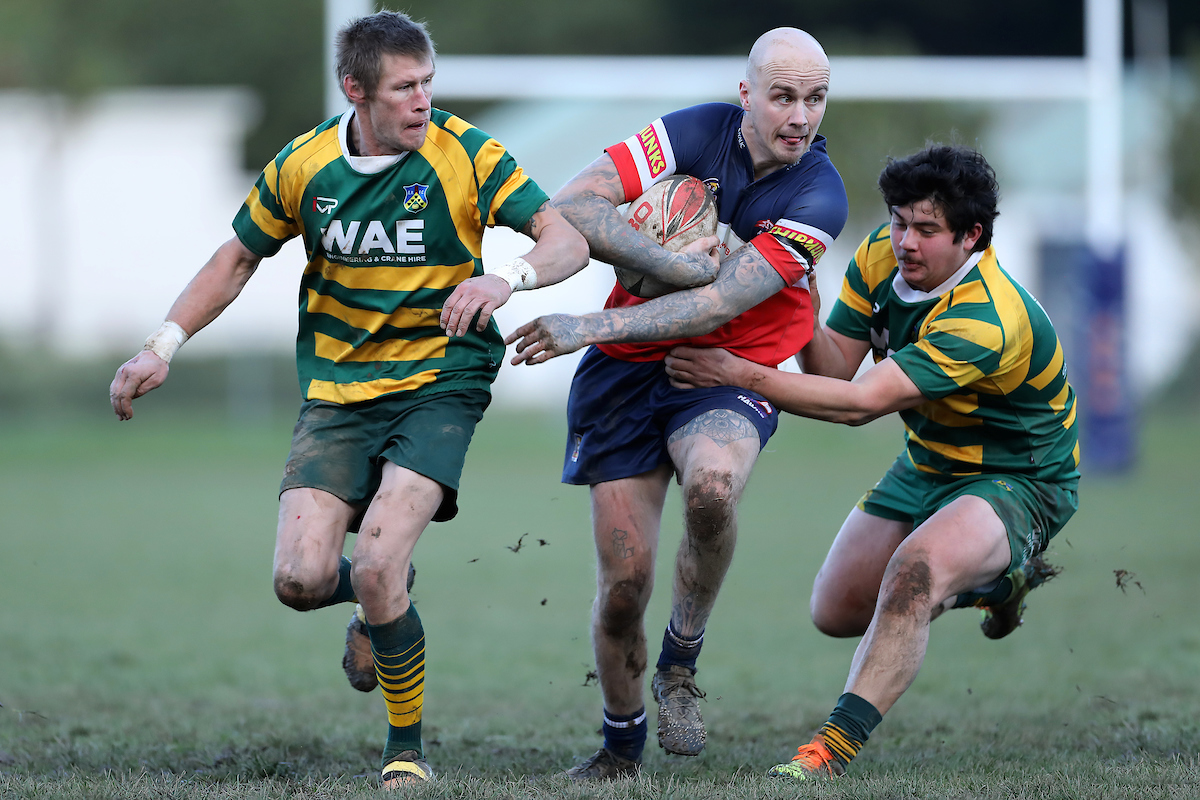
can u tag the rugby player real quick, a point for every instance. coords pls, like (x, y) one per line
(780, 203)
(990, 469)
(391, 199)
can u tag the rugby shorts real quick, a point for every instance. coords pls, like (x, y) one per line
(1032, 511)
(341, 449)
(620, 414)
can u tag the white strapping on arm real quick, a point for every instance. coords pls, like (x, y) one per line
(519, 273)
(166, 340)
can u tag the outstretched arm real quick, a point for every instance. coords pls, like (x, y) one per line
(745, 280)
(880, 390)
(559, 251)
(589, 202)
(215, 286)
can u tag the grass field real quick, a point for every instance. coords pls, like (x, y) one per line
(142, 653)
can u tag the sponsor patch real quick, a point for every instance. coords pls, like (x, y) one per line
(809, 243)
(761, 406)
(324, 205)
(578, 442)
(652, 149)
(415, 197)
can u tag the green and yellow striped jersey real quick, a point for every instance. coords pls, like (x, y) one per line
(388, 238)
(983, 352)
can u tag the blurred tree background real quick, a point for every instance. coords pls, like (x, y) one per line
(275, 47)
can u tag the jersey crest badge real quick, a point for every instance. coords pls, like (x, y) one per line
(415, 197)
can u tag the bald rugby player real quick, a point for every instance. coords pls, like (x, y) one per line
(780, 203)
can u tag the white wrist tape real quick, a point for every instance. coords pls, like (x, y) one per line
(166, 340)
(519, 273)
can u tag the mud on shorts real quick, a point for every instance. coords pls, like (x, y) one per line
(1032, 511)
(620, 414)
(341, 449)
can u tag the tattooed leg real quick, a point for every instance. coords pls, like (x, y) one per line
(715, 453)
(625, 520)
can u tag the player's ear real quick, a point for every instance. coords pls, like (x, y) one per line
(353, 89)
(972, 236)
(744, 94)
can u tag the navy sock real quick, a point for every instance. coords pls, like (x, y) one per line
(678, 650)
(849, 727)
(625, 735)
(344, 592)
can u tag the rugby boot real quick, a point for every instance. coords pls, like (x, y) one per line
(812, 761)
(357, 661)
(1001, 619)
(405, 769)
(680, 726)
(604, 765)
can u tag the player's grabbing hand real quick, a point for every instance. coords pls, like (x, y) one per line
(480, 295)
(702, 367)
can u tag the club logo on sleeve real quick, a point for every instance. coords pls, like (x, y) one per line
(324, 205)
(651, 147)
(415, 197)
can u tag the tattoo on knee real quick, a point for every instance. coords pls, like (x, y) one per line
(721, 425)
(620, 543)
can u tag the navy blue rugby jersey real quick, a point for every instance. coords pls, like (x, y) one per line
(790, 216)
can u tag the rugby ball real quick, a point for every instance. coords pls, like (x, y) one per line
(673, 212)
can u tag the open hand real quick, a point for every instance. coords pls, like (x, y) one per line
(546, 337)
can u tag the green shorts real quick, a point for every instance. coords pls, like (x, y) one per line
(340, 449)
(1032, 511)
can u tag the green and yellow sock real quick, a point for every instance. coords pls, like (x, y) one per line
(399, 650)
(344, 592)
(849, 727)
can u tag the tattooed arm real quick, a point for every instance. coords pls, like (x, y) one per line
(558, 253)
(589, 202)
(745, 280)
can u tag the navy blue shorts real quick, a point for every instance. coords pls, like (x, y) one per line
(620, 414)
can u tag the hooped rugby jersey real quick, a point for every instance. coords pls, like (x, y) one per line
(790, 216)
(388, 238)
(983, 352)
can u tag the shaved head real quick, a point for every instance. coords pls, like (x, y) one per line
(783, 97)
(785, 46)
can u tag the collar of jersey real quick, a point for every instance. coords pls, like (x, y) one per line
(367, 165)
(910, 295)
(817, 141)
